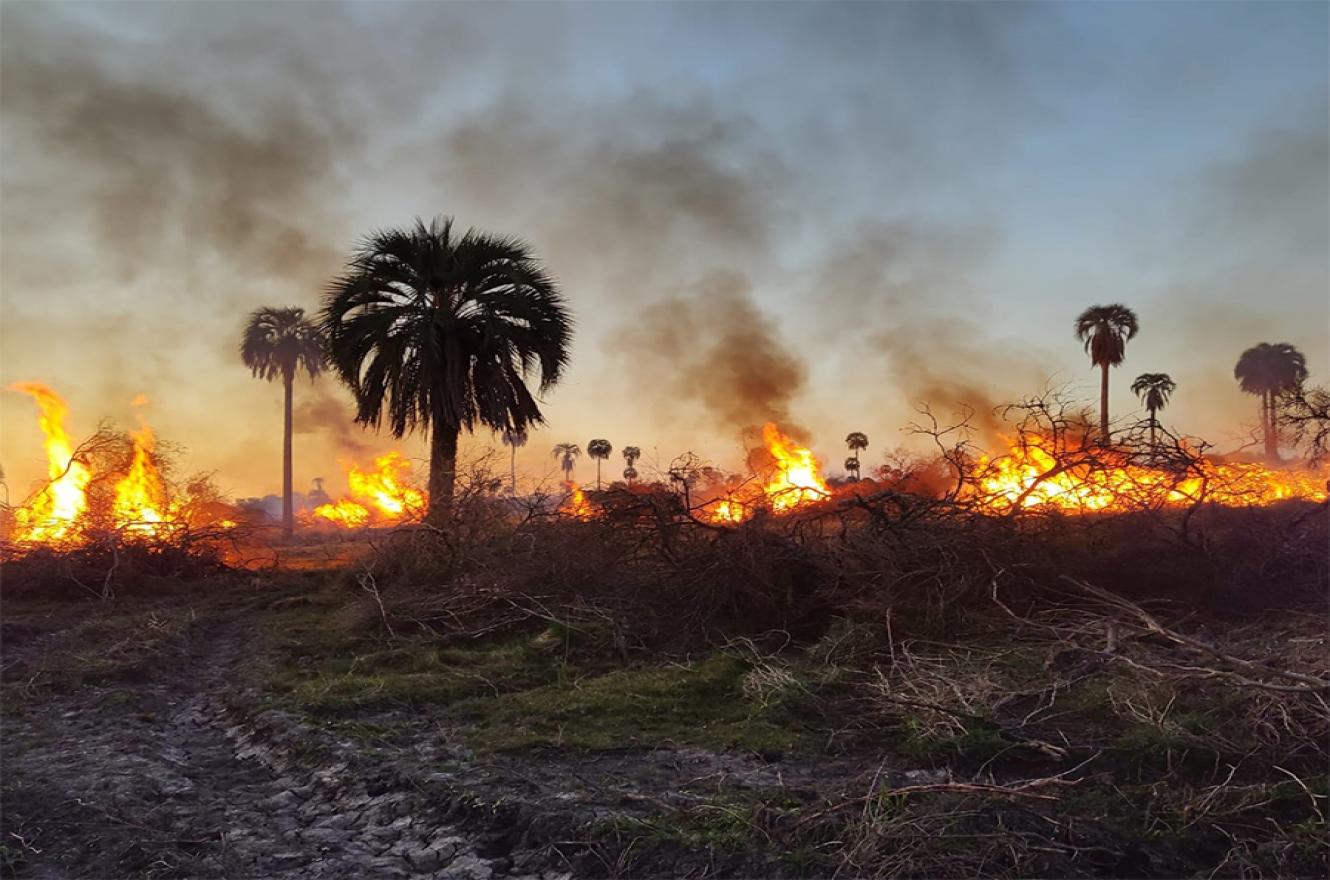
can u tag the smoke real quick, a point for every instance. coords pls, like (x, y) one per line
(163, 171)
(712, 346)
(616, 192)
(887, 285)
(319, 409)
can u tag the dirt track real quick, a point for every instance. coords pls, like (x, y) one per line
(151, 778)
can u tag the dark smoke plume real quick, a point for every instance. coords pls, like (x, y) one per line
(713, 346)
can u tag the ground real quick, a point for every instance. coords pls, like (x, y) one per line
(269, 726)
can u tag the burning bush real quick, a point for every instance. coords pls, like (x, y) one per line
(111, 507)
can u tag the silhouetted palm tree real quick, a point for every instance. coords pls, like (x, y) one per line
(630, 456)
(852, 465)
(1153, 389)
(514, 440)
(440, 333)
(567, 454)
(599, 450)
(1266, 370)
(278, 343)
(1105, 331)
(856, 440)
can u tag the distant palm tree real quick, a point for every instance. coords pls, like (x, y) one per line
(280, 343)
(852, 465)
(630, 456)
(599, 450)
(856, 440)
(1153, 389)
(567, 454)
(441, 333)
(1105, 331)
(515, 440)
(1268, 369)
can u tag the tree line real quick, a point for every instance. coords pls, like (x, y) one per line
(438, 333)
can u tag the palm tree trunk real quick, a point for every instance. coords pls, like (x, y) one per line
(1154, 446)
(598, 475)
(288, 510)
(442, 468)
(513, 483)
(1103, 404)
(1271, 433)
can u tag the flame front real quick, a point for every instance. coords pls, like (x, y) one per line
(381, 495)
(140, 496)
(798, 478)
(52, 517)
(576, 504)
(1030, 477)
(795, 479)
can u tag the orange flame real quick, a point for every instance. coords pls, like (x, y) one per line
(795, 479)
(140, 496)
(344, 513)
(52, 516)
(1031, 477)
(380, 494)
(576, 504)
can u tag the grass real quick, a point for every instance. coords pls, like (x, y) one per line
(549, 687)
(698, 704)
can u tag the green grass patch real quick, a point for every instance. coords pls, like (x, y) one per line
(698, 704)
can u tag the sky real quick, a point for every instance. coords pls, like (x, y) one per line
(822, 213)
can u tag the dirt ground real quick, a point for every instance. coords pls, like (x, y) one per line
(162, 737)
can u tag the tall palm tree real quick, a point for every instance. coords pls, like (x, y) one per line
(278, 343)
(439, 333)
(514, 440)
(567, 454)
(1266, 370)
(630, 456)
(1105, 331)
(1154, 390)
(599, 450)
(856, 440)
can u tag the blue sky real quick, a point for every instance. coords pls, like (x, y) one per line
(905, 200)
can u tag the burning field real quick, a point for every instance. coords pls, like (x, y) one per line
(116, 484)
(108, 484)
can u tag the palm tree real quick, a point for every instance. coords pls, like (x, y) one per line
(279, 343)
(599, 450)
(856, 440)
(1105, 331)
(1154, 389)
(514, 440)
(852, 465)
(441, 333)
(567, 454)
(1268, 369)
(630, 456)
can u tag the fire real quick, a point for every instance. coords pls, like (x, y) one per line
(381, 495)
(140, 496)
(52, 517)
(795, 479)
(798, 478)
(1032, 477)
(345, 513)
(67, 513)
(576, 504)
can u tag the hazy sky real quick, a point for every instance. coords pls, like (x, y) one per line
(819, 212)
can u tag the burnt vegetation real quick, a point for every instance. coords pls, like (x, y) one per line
(986, 688)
